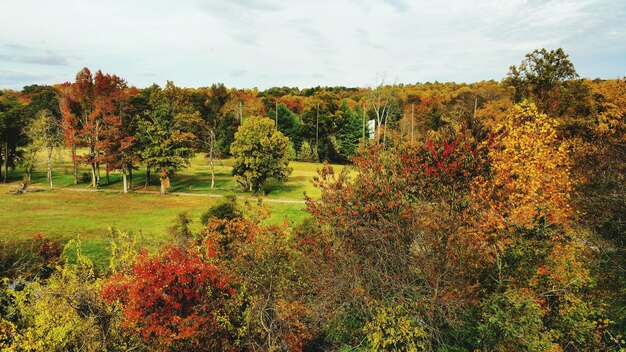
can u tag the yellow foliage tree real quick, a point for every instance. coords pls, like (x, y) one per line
(525, 203)
(530, 173)
(67, 314)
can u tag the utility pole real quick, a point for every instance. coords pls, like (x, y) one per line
(317, 129)
(240, 114)
(412, 113)
(364, 114)
(276, 102)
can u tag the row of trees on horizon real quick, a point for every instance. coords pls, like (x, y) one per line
(161, 128)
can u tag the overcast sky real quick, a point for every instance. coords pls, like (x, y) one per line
(259, 43)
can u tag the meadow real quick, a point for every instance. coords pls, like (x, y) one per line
(76, 211)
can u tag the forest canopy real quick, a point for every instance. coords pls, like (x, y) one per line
(487, 216)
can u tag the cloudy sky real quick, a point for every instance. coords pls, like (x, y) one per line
(264, 43)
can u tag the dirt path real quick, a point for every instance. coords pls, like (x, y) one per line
(183, 194)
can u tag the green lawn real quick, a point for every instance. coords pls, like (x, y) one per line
(64, 213)
(194, 179)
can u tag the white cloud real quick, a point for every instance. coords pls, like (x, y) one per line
(248, 43)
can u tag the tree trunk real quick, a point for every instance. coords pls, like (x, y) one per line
(74, 164)
(165, 181)
(147, 176)
(93, 176)
(6, 160)
(97, 172)
(50, 166)
(130, 177)
(107, 175)
(125, 181)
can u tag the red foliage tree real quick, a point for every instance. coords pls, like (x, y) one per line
(177, 299)
(404, 219)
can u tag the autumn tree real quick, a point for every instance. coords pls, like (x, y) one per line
(598, 168)
(399, 233)
(70, 125)
(175, 300)
(89, 121)
(46, 133)
(118, 143)
(267, 264)
(260, 153)
(66, 312)
(531, 172)
(525, 210)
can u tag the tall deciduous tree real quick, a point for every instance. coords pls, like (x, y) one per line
(90, 121)
(540, 76)
(118, 144)
(165, 131)
(46, 133)
(525, 209)
(211, 106)
(11, 130)
(70, 125)
(260, 153)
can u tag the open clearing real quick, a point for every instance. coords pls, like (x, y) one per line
(70, 211)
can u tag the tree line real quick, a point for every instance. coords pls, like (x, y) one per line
(160, 128)
(494, 222)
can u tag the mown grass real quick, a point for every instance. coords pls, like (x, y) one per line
(194, 179)
(65, 213)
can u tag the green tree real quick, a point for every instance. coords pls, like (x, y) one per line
(541, 76)
(260, 153)
(165, 131)
(288, 123)
(307, 153)
(350, 130)
(512, 321)
(11, 131)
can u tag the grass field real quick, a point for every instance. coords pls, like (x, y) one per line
(70, 211)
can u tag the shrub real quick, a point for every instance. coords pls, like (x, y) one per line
(226, 210)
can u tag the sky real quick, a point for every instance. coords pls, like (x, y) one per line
(303, 43)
